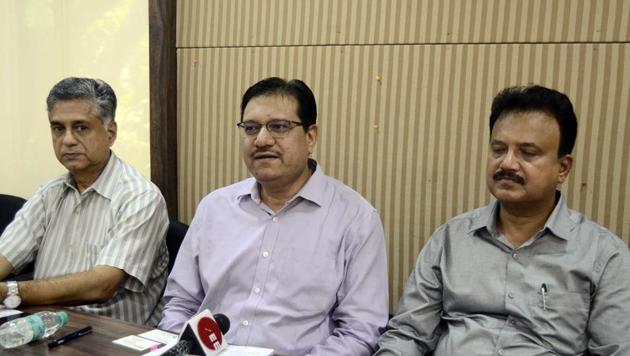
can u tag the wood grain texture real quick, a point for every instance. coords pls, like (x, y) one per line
(163, 100)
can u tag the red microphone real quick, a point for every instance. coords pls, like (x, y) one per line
(202, 335)
(211, 330)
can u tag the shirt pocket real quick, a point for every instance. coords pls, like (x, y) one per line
(560, 317)
(308, 280)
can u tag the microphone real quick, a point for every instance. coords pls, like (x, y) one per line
(203, 333)
(182, 347)
(223, 321)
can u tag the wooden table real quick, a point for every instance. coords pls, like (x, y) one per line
(99, 342)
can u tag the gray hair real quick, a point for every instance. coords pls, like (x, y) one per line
(94, 90)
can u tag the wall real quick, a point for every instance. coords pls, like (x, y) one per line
(404, 89)
(43, 42)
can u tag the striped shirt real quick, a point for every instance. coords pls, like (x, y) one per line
(119, 221)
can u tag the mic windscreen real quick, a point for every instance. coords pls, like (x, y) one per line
(183, 347)
(223, 322)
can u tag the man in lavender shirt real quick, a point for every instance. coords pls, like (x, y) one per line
(294, 258)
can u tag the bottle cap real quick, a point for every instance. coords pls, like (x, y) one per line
(63, 316)
(37, 324)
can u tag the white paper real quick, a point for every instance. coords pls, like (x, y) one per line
(162, 349)
(233, 350)
(230, 350)
(135, 342)
(161, 336)
(8, 312)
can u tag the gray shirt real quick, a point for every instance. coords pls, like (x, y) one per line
(119, 221)
(563, 292)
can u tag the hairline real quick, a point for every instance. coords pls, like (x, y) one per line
(93, 109)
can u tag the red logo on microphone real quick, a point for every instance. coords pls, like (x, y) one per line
(209, 333)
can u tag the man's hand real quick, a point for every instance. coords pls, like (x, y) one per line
(5, 268)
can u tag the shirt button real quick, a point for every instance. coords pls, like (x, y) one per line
(265, 254)
(501, 352)
(510, 295)
(256, 290)
(274, 219)
(515, 255)
(245, 322)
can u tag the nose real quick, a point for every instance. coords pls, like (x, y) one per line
(264, 138)
(68, 138)
(509, 162)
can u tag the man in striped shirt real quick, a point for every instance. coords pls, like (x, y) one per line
(96, 234)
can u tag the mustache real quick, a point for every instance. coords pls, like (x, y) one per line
(508, 175)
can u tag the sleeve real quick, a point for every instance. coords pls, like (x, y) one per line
(608, 328)
(184, 292)
(22, 237)
(137, 237)
(414, 330)
(362, 300)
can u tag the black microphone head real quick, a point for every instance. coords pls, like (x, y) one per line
(223, 322)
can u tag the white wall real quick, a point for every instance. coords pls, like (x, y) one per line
(44, 41)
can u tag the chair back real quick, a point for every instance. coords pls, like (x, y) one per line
(174, 237)
(9, 206)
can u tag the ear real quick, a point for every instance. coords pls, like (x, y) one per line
(112, 131)
(566, 162)
(311, 137)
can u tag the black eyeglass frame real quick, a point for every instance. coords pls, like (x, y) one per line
(292, 125)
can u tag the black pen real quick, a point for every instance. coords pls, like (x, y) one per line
(543, 291)
(73, 335)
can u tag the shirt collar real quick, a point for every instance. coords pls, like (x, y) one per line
(486, 218)
(559, 222)
(312, 191)
(103, 184)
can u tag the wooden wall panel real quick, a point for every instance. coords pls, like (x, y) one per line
(406, 125)
(242, 23)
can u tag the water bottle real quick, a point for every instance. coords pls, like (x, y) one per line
(21, 331)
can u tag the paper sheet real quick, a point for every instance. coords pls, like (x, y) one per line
(161, 336)
(233, 350)
(8, 312)
(230, 350)
(135, 342)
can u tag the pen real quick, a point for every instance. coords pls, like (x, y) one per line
(543, 291)
(73, 335)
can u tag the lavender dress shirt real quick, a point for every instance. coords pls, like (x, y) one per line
(310, 279)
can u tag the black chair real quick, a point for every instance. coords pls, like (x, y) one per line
(174, 237)
(9, 206)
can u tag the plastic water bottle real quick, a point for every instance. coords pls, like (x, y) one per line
(21, 331)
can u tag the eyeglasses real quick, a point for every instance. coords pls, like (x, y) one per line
(277, 128)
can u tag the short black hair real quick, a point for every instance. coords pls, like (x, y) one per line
(295, 88)
(539, 98)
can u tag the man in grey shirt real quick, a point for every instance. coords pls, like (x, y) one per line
(96, 234)
(524, 275)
